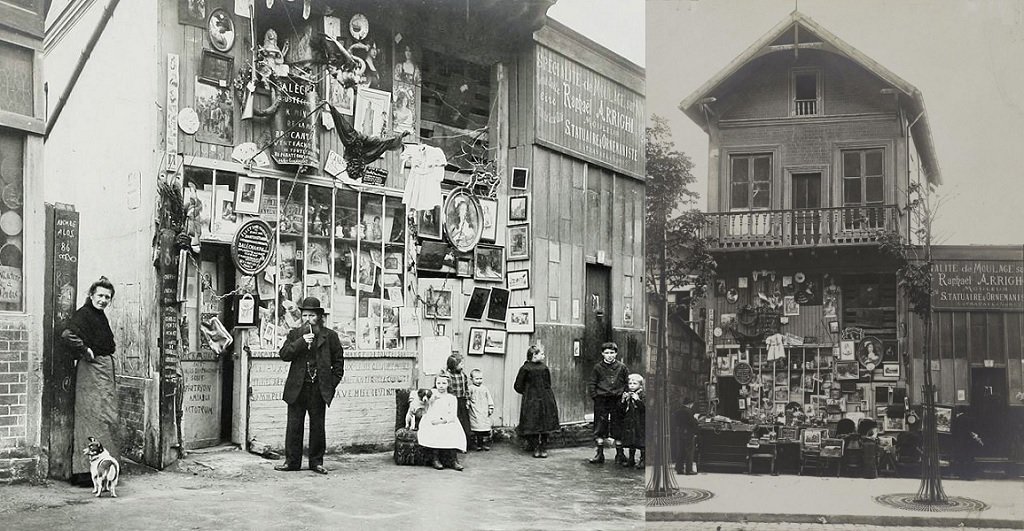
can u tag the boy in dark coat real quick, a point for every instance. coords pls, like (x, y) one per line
(317, 366)
(605, 387)
(684, 434)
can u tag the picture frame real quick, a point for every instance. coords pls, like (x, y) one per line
(373, 112)
(489, 263)
(894, 424)
(518, 209)
(489, 207)
(342, 98)
(438, 304)
(833, 327)
(192, 13)
(518, 280)
(811, 437)
(577, 348)
(891, 370)
(520, 178)
(462, 221)
(847, 370)
(393, 262)
(790, 306)
(216, 68)
(494, 343)
(248, 195)
(435, 257)
(497, 305)
(464, 268)
(429, 223)
(214, 105)
(652, 331)
(477, 340)
(223, 221)
(477, 304)
(869, 352)
(405, 111)
(520, 320)
(847, 350)
(220, 28)
(519, 242)
(943, 418)
(890, 352)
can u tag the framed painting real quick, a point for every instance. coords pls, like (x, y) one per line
(489, 262)
(477, 339)
(477, 304)
(520, 320)
(520, 178)
(518, 280)
(494, 343)
(373, 112)
(497, 305)
(248, 195)
(462, 221)
(518, 209)
(519, 242)
(489, 208)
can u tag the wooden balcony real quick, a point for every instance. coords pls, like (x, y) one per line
(815, 227)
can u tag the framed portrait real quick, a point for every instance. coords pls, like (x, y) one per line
(436, 257)
(891, 370)
(477, 303)
(890, 352)
(406, 111)
(894, 424)
(869, 352)
(790, 306)
(438, 303)
(943, 418)
(373, 112)
(518, 209)
(520, 320)
(462, 221)
(847, 370)
(216, 115)
(518, 280)
(393, 262)
(342, 98)
(428, 223)
(248, 195)
(363, 274)
(489, 207)
(494, 343)
(477, 339)
(811, 437)
(833, 327)
(489, 263)
(216, 68)
(519, 242)
(497, 305)
(221, 29)
(223, 220)
(520, 178)
(464, 268)
(192, 13)
(847, 350)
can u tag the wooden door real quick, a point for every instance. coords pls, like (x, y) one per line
(597, 317)
(990, 410)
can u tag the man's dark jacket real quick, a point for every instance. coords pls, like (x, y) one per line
(330, 362)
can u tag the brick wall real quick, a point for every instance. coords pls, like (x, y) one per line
(16, 461)
(132, 411)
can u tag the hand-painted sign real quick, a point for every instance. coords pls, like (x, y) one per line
(978, 285)
(295, 126)
(589, 115)
(253, 247)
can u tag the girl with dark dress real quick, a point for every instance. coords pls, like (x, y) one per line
(90, 341)
(538, 413)
(634, 415)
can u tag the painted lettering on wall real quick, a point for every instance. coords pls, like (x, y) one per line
(296, 126)
(588, 114)
(978, 284)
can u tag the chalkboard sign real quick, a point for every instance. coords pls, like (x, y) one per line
(253, 247)
(295, 125)
(743, 373)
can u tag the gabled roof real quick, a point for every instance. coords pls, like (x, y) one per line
(921, 130)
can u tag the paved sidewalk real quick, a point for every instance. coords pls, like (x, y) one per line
(762, 526)
(806, 499)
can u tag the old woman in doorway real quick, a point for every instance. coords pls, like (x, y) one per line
(90, 341)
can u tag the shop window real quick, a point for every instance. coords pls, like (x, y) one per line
(12, 170)
(16, 84)
(456, 100)
(344, 247)
(750, 182)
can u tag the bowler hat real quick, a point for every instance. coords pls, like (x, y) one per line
(311, 304)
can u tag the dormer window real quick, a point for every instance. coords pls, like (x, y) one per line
(806, 93)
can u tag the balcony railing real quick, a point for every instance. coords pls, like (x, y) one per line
(800, 228)
(806, 107)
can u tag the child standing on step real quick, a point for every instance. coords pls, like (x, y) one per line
(481, 406)
(633, 420)
(607, 382)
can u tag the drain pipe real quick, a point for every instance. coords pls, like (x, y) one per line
(86, 53)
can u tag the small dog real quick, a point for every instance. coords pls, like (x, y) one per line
(103, 468)
(417, 406)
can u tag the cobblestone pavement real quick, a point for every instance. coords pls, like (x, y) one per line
(765, 526)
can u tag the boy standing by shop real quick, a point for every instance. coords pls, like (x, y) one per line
(605, 387)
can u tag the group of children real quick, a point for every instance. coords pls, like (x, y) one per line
(461, 407)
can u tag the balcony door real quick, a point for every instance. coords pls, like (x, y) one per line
(805, 200)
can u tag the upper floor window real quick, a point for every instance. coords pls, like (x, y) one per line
(750, 181)
(806, 93)
(863, 177)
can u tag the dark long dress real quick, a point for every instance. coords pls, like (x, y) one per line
(95, 388)
(538, 412)
(634, 415)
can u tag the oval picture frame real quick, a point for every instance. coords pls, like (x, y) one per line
(220, 27)
(463, 220)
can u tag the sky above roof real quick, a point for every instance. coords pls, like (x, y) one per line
(963, 55)
(615, 24)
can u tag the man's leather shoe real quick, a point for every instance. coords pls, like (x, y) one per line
(458, 466)
(285, 467)
(319, 469)
(437, 465)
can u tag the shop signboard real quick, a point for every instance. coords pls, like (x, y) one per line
(295, 126)
(253, 247)
(588, 115)
(978, 285)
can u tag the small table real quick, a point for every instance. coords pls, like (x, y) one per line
(764, 450)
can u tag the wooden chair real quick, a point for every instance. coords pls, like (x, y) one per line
(832, 451)
(810, 448)
(760, 451)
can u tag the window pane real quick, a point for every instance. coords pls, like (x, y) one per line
(851, 164)
(873, 190)
(763, 169)
(12, 164)
(739, 195)
(15, 79)
(761, 197)
(806, 87)
(739, 170)
(873, 162)
(851, 191)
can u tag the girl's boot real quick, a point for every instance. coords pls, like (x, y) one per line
(640, 462)
(631, 462)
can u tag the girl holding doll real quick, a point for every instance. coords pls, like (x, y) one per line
(440, 429)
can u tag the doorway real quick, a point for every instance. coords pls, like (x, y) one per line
(806, 203)
(597, 314)
(990, 409)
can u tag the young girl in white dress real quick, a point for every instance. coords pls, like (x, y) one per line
(440, 429)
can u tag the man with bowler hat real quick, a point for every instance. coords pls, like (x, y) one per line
(317, 365)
